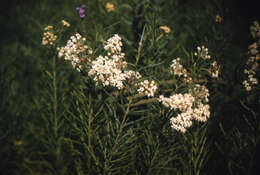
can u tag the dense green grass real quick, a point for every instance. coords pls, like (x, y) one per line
(54, 120)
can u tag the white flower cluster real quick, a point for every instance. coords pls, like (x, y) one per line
(177, 68)
(148, 88)
(214, 69)
(191, 107)
(184, 104)
(202, 52)
(48, 36)
(182, 121)
(75, 51)
(252, 64)
(109, 70)
(201, 112)
(130, 74)
(178, 101)
(113, 45)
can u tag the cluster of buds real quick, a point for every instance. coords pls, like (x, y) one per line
(75, 51)
(252, 64)
(165, 30)
(147, 87)
(177, 68)
(48, 36)
(132, 75)
(200, 92)
(188, 80)
(255, 30)
(214, 69)
(218, 19)
(202, 52)
(65, 23)
(110, 7)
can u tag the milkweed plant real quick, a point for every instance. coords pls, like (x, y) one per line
(180, 98)
(136, 110)
(189, 97)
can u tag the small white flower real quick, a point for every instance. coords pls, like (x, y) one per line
(148, 88)
(74, 50)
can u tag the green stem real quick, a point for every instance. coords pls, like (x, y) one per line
(54, 98)
(140, 47)
(195, 153)
(117, 137)
(89, 132)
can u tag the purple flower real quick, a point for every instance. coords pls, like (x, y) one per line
(81, 10)
(81, 15)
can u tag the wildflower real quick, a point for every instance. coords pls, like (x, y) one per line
(75, 51)
(178, 101)
(252, 64)
(165, 29)
(81, 11)
(190, 107)
(202, 52)
(113, 44)
(132, 74)
(65, 23)
(214, 69)
(183, 103)
(110, 70)
(255, 30)
(177, 68)
(201, 113)
(148, 88)
(18, 143)
(48, 28)
(247, 85)
(110, 7)
(218, 19)
(200, 92)
(182, 121)
(48, 36)
(187, 79)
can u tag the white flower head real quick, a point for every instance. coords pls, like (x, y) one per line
(147, 87)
